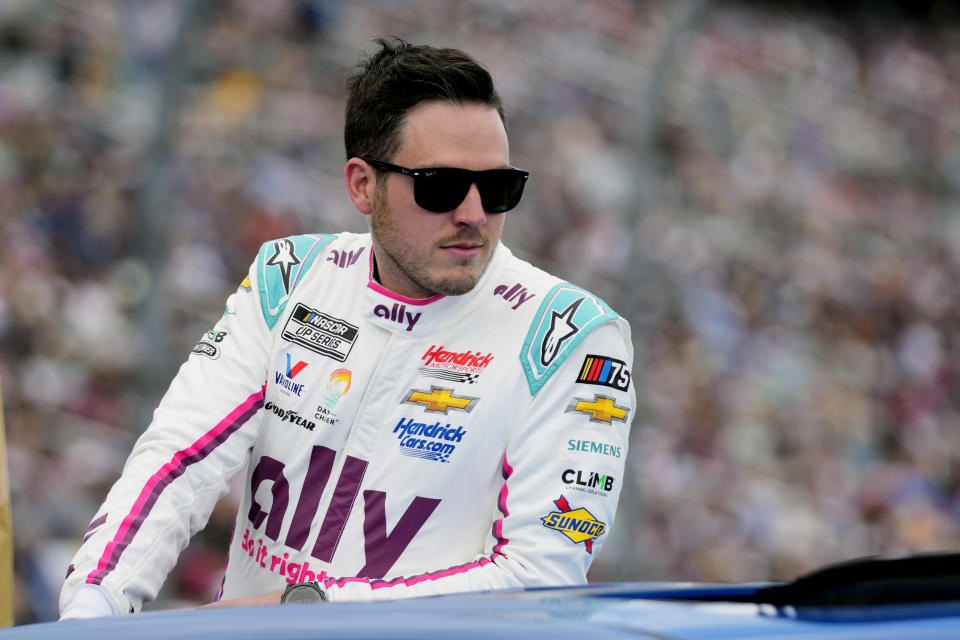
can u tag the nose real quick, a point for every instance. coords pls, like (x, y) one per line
(470, 213)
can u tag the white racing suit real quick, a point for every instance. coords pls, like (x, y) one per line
(391, 447)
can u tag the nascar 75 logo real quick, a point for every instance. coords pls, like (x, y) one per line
(604, 371)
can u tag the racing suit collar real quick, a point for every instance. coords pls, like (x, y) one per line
(415, 318)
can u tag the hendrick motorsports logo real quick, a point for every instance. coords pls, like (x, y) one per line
(430, 442)
(455, 366)
(320, 333)
(577, 524)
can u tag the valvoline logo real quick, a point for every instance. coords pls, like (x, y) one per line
(285, 378)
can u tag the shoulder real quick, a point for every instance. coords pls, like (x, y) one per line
(560, 316)
(283, 263)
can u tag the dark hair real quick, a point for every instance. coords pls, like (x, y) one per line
(386, 85)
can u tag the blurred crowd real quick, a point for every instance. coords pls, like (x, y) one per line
(771, 198)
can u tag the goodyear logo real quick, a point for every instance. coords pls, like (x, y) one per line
(578, 525)
(600, 409)
(440, 400)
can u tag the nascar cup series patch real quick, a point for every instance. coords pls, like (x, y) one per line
(566, 315)
(578, 525)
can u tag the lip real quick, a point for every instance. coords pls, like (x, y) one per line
(463, 249)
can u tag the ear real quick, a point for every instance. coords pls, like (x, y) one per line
(361, 182)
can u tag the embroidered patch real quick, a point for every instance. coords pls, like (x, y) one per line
(566, 315)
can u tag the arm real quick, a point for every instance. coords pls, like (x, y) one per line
(199, 438)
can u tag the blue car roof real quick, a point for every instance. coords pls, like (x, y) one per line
(663, 611)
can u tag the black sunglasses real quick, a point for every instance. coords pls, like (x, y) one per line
(442, 189)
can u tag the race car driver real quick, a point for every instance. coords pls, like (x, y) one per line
(414, 410)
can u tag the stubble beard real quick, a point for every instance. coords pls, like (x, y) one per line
(384, 231)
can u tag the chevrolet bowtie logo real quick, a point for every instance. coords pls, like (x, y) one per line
(439, 400)
(601, 409)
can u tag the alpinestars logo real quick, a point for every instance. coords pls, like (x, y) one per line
(561, 330)
(285, 258)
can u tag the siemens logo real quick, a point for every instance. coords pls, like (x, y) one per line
(589, 446)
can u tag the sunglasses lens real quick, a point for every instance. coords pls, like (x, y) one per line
(500, 189)
(441, 190)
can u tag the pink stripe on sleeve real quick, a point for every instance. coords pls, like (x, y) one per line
(168, 473)
(502, 505)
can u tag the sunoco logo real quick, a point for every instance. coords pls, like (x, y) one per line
(578, 525)
(430, 442)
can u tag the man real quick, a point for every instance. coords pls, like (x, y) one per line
(415, 410)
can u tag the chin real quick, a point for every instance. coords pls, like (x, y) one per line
(455, 285)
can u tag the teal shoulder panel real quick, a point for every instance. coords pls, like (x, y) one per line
(280, 266)
(565, 317)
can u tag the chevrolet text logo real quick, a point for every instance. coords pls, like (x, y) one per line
(601, 409)
(439, 400)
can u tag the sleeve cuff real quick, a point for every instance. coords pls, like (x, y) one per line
(88, 601)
